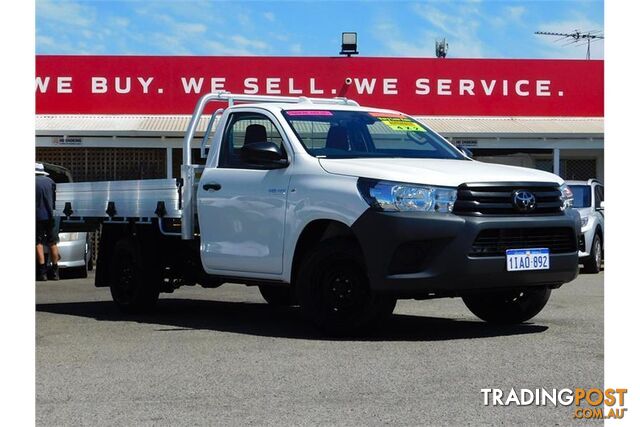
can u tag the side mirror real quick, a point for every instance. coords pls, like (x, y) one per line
(263, 153)
(601, 207)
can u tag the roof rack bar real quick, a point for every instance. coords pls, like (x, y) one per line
(232, 98)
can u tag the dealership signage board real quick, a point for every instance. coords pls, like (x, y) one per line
(423, 86)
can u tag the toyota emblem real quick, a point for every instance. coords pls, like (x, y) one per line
(524, 201)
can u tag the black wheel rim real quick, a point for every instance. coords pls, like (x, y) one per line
(519, 300)
(598, 254)
(515, 297)
(343, 290)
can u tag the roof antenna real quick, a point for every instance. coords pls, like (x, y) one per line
(576, 37)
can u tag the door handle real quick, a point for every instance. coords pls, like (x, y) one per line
(211, 186)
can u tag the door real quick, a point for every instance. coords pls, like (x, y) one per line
(242, 210)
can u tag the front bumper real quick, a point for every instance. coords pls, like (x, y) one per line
(443, 244)
(588, 233)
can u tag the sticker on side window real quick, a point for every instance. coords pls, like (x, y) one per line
(398, 122)
(309, 113)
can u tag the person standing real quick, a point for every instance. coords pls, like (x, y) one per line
(46, 231)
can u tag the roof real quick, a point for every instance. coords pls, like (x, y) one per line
(515, 126)
(176, 125)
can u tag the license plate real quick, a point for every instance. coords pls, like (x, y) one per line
(527, 259)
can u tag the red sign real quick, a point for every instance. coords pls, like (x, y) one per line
(421, 86)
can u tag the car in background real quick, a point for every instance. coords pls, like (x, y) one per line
(75, 248)
(588, 199)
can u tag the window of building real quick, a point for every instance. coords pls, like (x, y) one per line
(544, 165)
(107, 164)
(578, 169)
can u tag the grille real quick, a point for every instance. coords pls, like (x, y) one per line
(497, 199)
(495, 242)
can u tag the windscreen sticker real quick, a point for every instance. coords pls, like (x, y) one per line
(382, 114)
(309, 113)
(401, 124)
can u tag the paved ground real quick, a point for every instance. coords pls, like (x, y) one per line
(222, 356)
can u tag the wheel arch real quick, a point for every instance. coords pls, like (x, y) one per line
(600, 233)
(315, 232)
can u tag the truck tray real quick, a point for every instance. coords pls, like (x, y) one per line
(103, 200)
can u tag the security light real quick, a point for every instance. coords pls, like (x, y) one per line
(349, 44)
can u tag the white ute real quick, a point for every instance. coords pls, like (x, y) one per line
(335, 207)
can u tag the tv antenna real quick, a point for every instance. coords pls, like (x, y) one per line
(442, 47)
(577, 37)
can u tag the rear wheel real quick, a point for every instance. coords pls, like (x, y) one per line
(134, 286)
(593, 263)
(333, 289)
(509, 306)
(281, 296)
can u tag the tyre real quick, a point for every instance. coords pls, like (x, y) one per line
(333, 289)
(509, 306)
(593, 263)
(280, 296)
(134, 287)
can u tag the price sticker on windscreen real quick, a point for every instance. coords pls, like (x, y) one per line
(399, 122)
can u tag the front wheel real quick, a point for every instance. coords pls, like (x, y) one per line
(134, 287)
(593, 263)
(333, 289)
(280, 296)
(509, 306)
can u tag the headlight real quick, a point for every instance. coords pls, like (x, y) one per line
(584, 220)
(566, 196)
(398, 196)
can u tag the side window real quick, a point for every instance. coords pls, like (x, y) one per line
(246, 128)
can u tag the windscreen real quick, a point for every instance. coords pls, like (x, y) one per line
(351, 134)
(581, 196)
